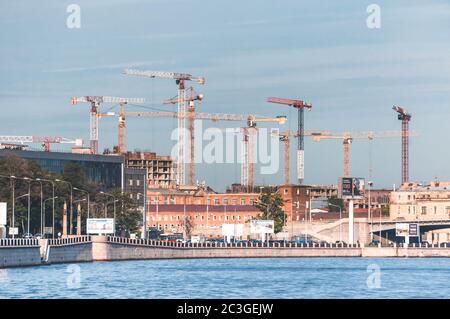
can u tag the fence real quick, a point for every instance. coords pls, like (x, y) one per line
(69, 241)
(19, 242)
(168, 244)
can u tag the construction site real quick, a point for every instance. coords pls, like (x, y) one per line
(170, 183)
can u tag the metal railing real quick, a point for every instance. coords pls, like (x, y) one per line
(19, 242)
(69, 241)
(169, 244)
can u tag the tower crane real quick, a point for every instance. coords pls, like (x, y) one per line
(247, 168)
(94, 115)
(285, 139)
(348, 137)
(405, 117)
(45, 141)
(300, 106)
(180, 79)
(190, 117)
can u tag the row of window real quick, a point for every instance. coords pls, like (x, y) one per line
(202, 218)
(424, 210)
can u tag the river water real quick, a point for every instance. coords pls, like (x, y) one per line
(234, 278)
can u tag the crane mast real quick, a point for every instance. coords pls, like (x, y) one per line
(300, 106)
(180, 79)
(405, 117)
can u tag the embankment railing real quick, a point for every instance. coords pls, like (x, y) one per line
(69, 241)
(19, 242)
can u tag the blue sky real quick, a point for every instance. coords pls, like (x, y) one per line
(247, 50)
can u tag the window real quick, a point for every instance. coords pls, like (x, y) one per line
(138, 196)
(242, 201)
(298, 191)
(234, 201)
(252, 201)
(435, 210)
(138, 182)
(131, 196)
(285, 190)
(424, 210)
(131, 182)
(216, 201)
(225, 201)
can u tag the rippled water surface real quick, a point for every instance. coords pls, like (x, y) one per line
(233, 278)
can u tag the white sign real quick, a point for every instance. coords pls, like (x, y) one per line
(48, 230)
(405, 229)
(100, 226)
(235, 230)
(3, 214)
(262, 226)
(13, 230)
(300, 164)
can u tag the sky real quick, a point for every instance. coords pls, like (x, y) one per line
(322, 52)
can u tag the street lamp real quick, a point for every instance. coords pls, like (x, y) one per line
(71, 201)
(114, 201)
(53, 203)
(53, 199)
(88, 200)
(370, 184)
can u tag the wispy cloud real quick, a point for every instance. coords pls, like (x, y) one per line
(110, 66)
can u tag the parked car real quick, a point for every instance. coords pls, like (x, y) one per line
(27, 235)
(38, 236)
(444, 245)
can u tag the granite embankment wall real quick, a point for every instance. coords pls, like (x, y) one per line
(67, 250)
(22, 252)
(19, 252)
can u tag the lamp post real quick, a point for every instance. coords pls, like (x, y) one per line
(114, 202)
(29, 203)
(370, 183)
(53, 204)
(71, 202)
(87, 196)
(53, 199)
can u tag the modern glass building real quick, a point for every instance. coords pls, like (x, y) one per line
(106, 170)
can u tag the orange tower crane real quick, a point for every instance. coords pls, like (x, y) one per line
(348, 137)
(190, 117)
(180, 79)
(247, 176)
(405, 117)
(94, 115)
(300, 106)
(285, 139)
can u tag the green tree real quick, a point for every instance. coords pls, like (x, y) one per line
(270, 204)
(128, 216)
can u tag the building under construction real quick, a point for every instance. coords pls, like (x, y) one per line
(160, 169)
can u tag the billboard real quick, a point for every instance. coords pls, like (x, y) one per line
(2, 214)
(100, 226)
(262, 226)
(235, 230)
(405, 229)
(300, 164)
(351, 187)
